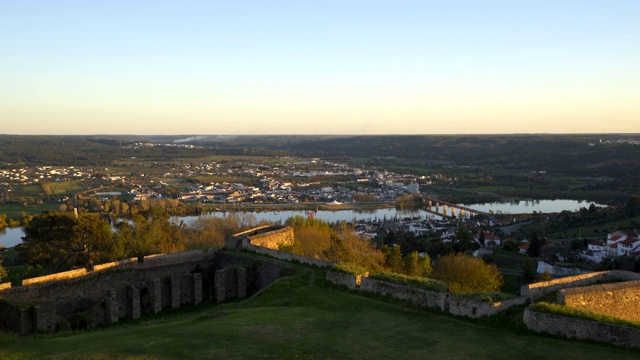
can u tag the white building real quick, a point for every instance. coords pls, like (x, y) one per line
(413, 188)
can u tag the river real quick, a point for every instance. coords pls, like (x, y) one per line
(13, 236)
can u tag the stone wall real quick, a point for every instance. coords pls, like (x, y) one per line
(286, 256)
(351, 281)
(272, 239)
(455, 305)
(582, 329)
(65, 275)
(537, 290)
(414, 295)
(473, 308)
(618, 299)
(115, 291)
(234, 242)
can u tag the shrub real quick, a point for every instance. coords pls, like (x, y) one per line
(467, 274)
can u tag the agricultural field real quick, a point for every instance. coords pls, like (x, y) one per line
(298, 317)
(14, 211)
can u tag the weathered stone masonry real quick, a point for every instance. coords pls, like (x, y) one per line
(128, 288)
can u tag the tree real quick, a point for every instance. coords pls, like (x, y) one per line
(632, 207)
(465, 274)
(528, 271)
(535, 244)
(96, 237)
(415, 265)
(49, 241)
(393, 258)
(3, 221)
(481, 238)
(3, 272)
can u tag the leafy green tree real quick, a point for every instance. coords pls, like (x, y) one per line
(414, 265)
(393, 258)
(528, 271)
(535, 244)
(96, 237)
(3, 221)
(49, 241)
(151, 233)
(3, 272)
(465, 274)
(464, 240)
(632, 207)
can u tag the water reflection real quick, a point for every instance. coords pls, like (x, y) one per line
(13, 236)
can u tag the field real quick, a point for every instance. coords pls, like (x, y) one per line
(298, 317)
(13, 211)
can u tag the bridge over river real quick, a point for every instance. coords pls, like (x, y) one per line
(449, 209)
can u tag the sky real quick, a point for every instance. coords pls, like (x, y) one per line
(319, 67)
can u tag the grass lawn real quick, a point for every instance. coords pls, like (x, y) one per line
(65, 187)
(13, 211)
(296, 318)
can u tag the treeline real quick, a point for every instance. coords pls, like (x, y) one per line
(59, 241)
(100, 151)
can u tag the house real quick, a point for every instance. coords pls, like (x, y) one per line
(522, 249)
(595, 252)
(620, 243)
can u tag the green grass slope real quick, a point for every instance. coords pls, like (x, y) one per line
(298, 318)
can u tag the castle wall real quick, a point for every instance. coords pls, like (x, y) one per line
(618, 299)
(272, 239)
(286, 256)
(539, 289)
(582, 329)
(455, 305)
(414, 295)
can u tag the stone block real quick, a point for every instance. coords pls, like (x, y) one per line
(174, 282)
(155, 295)
(133, 299)
(111, 307)
(197, 288)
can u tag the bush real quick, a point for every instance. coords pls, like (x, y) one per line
(467, 274)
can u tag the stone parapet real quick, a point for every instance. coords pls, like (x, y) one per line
(582, 329)
(618, 299)
(55, 277)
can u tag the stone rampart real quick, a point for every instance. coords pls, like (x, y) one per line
(122, 264)
(474, 308)
(172, 259)
(618, 300)
(455, 305)
(414, 295)
(582, 329)
(66, 275)
(14, 318)
(283, 255)
(351, 281)
(234, 242)
(537, 290)
(272, 239)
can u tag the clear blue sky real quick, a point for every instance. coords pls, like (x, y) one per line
(327, 67)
